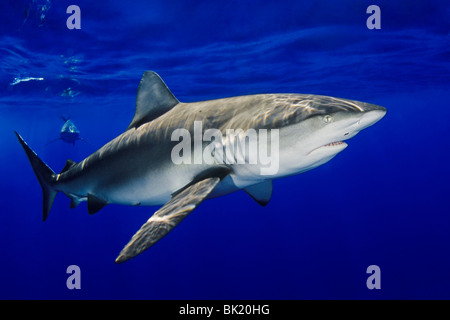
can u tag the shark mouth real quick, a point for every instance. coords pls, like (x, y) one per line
(330, 145)
(338, 143)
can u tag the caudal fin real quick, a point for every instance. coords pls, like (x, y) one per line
(45, 176)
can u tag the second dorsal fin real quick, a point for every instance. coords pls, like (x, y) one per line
(152, 100)
(69, 164)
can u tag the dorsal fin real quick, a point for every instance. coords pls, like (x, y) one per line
(152, 100)
(69, 164)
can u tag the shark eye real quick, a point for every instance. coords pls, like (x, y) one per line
(327, 119)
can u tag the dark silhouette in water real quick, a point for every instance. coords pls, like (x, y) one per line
(69, 132)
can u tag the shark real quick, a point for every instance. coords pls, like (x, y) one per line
(69, 132)
(137, 168)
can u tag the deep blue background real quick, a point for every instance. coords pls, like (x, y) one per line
(383, 201)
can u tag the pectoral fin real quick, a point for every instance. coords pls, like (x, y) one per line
(261, 192)
(168, 217)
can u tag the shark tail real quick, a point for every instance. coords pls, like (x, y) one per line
(45, 175)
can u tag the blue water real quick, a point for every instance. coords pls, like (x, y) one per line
(383, 201)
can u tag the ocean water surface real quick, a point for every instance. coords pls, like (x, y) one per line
(383, 201)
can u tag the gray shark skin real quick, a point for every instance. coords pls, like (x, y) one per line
(136, 167)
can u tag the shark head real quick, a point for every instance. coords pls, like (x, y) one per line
(320, 136)
(69, 132)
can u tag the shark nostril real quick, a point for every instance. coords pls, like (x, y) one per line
(346, 134)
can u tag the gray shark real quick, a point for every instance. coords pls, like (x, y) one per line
(137, 167)
(69, 132)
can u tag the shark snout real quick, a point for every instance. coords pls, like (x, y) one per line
(367, 107)
(372, 115)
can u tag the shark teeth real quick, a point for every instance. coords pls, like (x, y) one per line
(333, 144)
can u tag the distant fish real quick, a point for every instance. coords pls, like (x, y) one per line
(69, 132)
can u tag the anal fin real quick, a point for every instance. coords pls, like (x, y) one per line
(74, 202)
